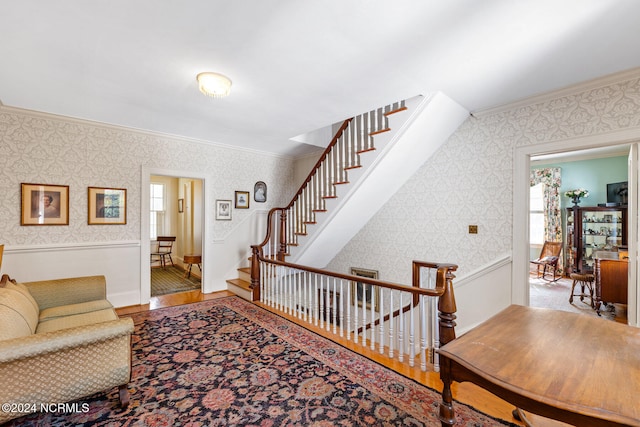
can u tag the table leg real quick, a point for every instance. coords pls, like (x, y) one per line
(447, 415)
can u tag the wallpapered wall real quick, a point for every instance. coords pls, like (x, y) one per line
(41, 148)
(470, 181)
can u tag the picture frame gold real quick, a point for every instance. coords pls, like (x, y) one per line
(107, 206)
(44, 204)
(361, 292)
(242, 200)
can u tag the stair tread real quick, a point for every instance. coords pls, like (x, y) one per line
(240, 283)
(366, 150)
(388, 113)
(245, 269)
(379, 131)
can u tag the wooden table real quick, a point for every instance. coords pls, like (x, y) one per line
(565, 366)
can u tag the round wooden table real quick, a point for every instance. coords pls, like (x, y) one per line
(190, 260)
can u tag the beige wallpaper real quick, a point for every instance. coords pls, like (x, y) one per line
(469, 181)
(41, 148)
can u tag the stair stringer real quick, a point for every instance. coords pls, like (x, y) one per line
(429, 126)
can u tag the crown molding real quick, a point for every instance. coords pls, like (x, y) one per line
(120, 128)
(596, 83)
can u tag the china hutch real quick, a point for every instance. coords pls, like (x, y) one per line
(591, 229)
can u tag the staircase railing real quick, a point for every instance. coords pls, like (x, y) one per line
(404, 323)
(353, 138)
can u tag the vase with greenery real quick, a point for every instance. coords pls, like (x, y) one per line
(576, 195)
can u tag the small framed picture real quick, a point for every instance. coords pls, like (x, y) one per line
(223, 210)
(180, 205)
(260, 192)
(364, 292)
(44, 204)
(107, 206)
(242, 200)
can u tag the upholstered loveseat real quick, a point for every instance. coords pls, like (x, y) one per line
(60, 340)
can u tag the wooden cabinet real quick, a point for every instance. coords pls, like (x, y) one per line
(591, 229)
(611, 281)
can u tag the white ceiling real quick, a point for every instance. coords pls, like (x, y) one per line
(297, 65)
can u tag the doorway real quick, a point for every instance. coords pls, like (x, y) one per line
(551, 219)
(175, 234)
(183, 214)
(521, 249)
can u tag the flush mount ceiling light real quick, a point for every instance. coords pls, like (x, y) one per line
(214, 84)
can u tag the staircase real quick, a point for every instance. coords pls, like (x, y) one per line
(369, 159)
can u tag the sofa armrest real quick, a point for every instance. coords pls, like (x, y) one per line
(40, 344)
(57, 292)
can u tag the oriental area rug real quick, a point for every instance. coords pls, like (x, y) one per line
(226, 362)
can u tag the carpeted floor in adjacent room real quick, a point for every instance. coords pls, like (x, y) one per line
(170, 280)
(227, 362)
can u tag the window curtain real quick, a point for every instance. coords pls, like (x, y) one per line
(551, 177)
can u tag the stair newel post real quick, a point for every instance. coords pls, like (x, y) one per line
(256, 253)
(447, 304)
(282, 249)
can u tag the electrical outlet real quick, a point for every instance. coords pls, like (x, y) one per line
(473, 229)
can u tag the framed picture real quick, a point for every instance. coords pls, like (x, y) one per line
(44, 204)
(361, 292)
(223, 210)
(107, 206)
(242, 200)
(180, 205)
(260, 192)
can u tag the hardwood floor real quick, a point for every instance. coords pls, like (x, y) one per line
(463, 392)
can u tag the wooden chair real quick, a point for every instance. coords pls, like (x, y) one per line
(163, 249)
(548, 259)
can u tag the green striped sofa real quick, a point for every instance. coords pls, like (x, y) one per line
(60, 340)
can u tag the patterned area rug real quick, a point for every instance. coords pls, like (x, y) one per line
(227, 362)
(170, 280)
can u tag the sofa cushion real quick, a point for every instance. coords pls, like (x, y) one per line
(25, 291)
(18, 317)
(71, 309)
(75, 320)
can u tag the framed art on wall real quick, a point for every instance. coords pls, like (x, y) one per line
(44, 204)
(223, 210)
(107, 205)
(364, 292)
(260, 192)
(242, 200)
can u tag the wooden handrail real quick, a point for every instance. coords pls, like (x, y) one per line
(435, 292)
(322, 158)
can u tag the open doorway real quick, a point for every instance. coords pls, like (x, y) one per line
(521, 249)
(176, 211)
(582, 231)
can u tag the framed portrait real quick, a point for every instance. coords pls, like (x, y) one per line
(362, 292)
(223, 210)
(242, 200)
(260, 192)
(180, 205)
(107, 205)
(44, 204)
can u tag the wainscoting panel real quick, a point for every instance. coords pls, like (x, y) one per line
(118, 261)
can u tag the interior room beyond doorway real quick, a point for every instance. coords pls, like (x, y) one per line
(594, 171)
(176, 221)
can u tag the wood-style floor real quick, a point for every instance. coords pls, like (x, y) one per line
(464, 392)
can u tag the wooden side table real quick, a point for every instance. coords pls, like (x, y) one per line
(190, 260)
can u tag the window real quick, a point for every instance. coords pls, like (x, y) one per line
(536, 214)
(157, 208)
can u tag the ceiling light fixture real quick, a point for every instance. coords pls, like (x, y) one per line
(214, 84)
